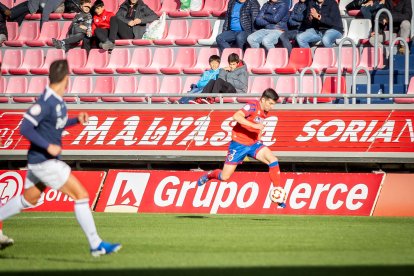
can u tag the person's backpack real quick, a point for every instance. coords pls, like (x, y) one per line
(155, 30)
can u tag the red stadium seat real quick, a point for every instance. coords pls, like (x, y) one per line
(49, 30)
(185, 58)
(124, 85)
(146, 85)
(346, 62)
(112, 5)
(77, 58)
(259, 84)
(12, 30)
(8, 3)
(323, 58)
(18, 85)
(169, 85)
(221, 12)
(308, 88)
(98, 58)
(225, 55)
(188, 82)
(254, 58)
(37, 16)
(3, 86)
(51, 56)
(154, 5)
(37, 84)
(120, 58)
(410, 91)
(178, 29)
(367, 58)
(202, 61)
(286, 84)
(169, 6)
(209, 7)
(103, 85)
(330, 87)
(12, 59)
(33, 58)
(81, 85)
(28, 32)
(141, 58)
(200, 29)
(276, 58)
(163, 57)
(299, 58)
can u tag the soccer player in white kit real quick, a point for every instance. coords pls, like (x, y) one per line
(43, 125)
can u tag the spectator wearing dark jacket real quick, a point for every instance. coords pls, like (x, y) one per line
(4, 14)
(79, 30)
(296, 17)
(323, 23)
(45, 7)
(130, 22)
(272, 20)
(238, 24)
(401, 11)
(101, 22)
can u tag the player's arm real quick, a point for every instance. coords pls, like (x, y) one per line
(82, 118)
(27, 129)
(240, 117)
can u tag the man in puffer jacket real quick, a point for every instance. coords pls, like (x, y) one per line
(238, 24)
(296, 18)
(130, 22)
(272, 18)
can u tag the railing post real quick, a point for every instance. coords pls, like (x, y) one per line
(302, 73)
(354, 73)
(376, 24)
(391, 63)
(338, 80)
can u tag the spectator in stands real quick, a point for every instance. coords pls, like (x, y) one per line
(370, 8)
(101, 22)
(80, 30)
(296, 18)
(272, 20)
(45, 7)
(401, 11)
(238, 24)
(130, 22)
(4, 14)
(323, 23)
(231, 79)
(211, 74)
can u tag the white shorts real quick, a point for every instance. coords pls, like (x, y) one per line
(53, 173)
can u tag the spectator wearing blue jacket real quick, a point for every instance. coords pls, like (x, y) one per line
(238, 24)
(323, 23)
(272, 20)
(296, 17)
(212, 74)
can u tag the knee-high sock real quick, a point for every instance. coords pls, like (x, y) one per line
(216, 174)
(1, 228)
(85, 219)
(13, 207)
(274, 173)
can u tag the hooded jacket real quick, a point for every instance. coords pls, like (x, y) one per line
(141, 11)
(238, 77)
(102, 21)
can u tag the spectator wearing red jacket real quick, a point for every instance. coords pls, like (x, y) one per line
(100, 24)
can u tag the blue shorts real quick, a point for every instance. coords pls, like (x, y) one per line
(237, 152)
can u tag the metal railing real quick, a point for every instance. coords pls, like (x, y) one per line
(301, 84)
(354, 52)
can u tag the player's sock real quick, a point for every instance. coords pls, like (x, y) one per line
(274, 172)
(13, 207)
(85, 219)
(216, 174)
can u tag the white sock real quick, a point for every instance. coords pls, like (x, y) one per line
(13, 207)
(85, 219)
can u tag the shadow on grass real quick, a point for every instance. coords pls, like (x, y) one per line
(297, 270)
(191, 217)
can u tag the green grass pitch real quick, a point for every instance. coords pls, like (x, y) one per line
(178, 244)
